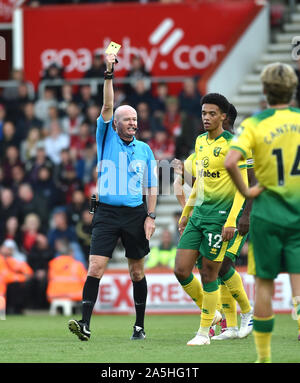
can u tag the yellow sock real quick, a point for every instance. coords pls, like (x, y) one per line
(262, 331)
(219, 303)
(210, 299)
(193, 288)
(296, 304)
(235, 285)
(229, 306)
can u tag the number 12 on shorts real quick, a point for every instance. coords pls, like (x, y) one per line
(217, 239)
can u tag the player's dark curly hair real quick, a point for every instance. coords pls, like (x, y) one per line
(231, 115)
(216, 99)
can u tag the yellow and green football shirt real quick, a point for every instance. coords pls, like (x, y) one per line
(214, 192)
(274, 137)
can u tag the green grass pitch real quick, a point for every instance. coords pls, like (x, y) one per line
(45, 339)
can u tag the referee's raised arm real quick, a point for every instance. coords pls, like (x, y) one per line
(108, 91)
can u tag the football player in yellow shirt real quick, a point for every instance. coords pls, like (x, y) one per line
(216, 206)
(274, 137)
(232, 290)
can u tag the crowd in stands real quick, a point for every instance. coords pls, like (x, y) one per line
(48, 166)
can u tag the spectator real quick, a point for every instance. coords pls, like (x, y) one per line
(147, 124)
(91, 187)
(46, 191)
(66, 176)
(2, 120)
(30, 230)
(139, 94)
(76, 207)
(18, 177)
(85, 97)
(54, 72)
(11, 159)
(9, 137)
(119, 96)
(53, 116)
(96, 71)
(27, 121)
(60, 229)
(38, 259)
(136, 73)
(86, 164)
(66, 97)
(172, 117)
(28, 203)
(164, 254)
(8, 208)
(159, 101)
(71, 122)
(189, 99)
(43, 104)
(11, 231)
(28, 147)
(14, 250)
(80, 141)
(34, 164)
(15, 106)
(11, 93)
(83, 232)
(15, 273)
(56, 142)
(162, 146)
(66, 276)
(93, 112)
(185, 142)
(97, 68)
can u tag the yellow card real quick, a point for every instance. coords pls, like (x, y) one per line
(113, 48)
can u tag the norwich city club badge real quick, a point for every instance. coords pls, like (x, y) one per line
(217, 151)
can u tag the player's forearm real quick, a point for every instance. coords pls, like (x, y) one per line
(152, 199)
(108, 100)
(251, 182)
(179, 192)
(190, 203)
(231, 166)
(235, 209)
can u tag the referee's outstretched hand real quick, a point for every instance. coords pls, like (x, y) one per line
(110, 60)
(149, 227)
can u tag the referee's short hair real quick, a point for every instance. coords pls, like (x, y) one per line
(216, 99)
(279, 82)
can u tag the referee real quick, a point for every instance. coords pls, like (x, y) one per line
(126, 172)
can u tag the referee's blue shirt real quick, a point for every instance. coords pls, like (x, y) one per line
(123, 170)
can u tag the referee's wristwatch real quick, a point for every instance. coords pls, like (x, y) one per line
(151, 215)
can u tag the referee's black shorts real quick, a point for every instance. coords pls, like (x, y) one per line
(113, 222)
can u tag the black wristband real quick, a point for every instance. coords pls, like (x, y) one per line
(108, 75)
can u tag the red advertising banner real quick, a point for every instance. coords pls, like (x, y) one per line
(166, 296)
(172, 39)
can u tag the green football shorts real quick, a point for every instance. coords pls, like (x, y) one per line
(235, 246)
(276, 249)
(206, 237)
